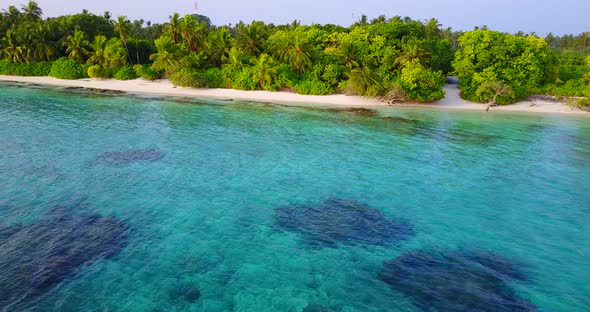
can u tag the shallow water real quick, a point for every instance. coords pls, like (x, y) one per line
(199, 187)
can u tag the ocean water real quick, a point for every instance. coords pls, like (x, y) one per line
(134, 203)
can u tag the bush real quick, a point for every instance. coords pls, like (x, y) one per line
(313, 87)
(146, 72)
(242, 80)
(214, 77)
(125, 73)
(97, 71)
(65, 68)
(22, 69)
(188, 78)
(422, 84)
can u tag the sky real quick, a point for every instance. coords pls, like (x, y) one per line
(539, 16)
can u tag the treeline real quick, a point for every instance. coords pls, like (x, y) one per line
(398, 58)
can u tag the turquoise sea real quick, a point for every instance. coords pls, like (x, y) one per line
(136, 203)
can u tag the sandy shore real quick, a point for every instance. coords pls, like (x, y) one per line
(164, 87)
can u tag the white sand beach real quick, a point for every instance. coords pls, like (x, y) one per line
(164, 87)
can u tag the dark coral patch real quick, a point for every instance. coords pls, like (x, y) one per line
(35, 257)
(452, 281)
(339, 221)
(185, 291)
(128, 157)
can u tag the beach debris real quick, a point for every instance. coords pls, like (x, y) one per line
(456, 281)
(128, 157)
(340, 221)
(37, 256)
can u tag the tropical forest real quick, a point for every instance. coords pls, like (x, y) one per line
(397, 58)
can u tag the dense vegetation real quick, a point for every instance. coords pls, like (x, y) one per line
(398, 58)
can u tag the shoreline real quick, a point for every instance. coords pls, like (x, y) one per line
(452, 99)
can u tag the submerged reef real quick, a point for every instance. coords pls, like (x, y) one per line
(185, 291)
(128, 157)
(339, 221)
(456, 281)
(37, 256)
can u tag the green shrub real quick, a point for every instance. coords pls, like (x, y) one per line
(23, 69)
(65, 68)
(188, 78)
(422, 84)
(313, 87)
(146, 72)
(125, 73)
(97, 71)
(242, 80)
(214, 77)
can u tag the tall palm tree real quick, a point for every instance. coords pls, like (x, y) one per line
(76, 46)
(12, 14)
(190, 30)
(295, 51)
(174, 27)
(251, 38)
(264, 71)
(32, 11)
(433, 29)
(98, 46)
(218, 45)
(43, 48)
(123, 27)
(347, 53)
(167, 57)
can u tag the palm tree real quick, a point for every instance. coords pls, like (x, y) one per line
(98, 46)
(167, 57)
(32, 11)
(174, 27)
(264, 70)
(190, 29)
(365, 81)
(411, 50)
(11, 47)
(251, 38)
(43, 48)
(433, 29)
(234, 60)
(76, 46)
(295, 51)
(12, 14)
(123, 27)
(218, 44)
(348, 54)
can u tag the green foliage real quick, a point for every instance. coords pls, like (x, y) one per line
(365, 81)
(24, 69)
(65, 68)
(97, 71)
(187, 77)
(313, 87)
(422, 84)
(146, 72)
(125, 73)
(495, 92)
(523, 63)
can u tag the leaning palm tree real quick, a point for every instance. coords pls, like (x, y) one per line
(76, 46)
(264, 71)
(32, 11)
(191, 30)
(123, 27)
